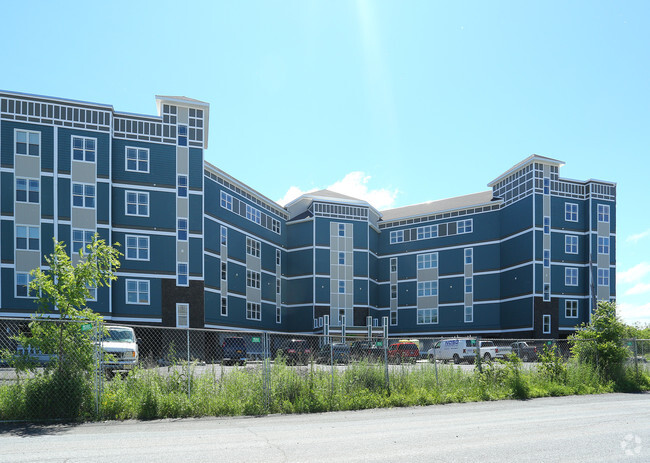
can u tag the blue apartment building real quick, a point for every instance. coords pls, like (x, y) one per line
(528, 257)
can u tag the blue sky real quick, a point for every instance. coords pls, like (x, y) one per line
(397, 102)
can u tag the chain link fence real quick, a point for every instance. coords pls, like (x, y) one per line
(215, 372)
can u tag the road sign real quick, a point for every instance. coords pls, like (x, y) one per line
(255, 339)
(86, 327)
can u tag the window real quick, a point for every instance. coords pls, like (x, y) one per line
(547, 258)
(571, 244)
(253, 214)
(468, 284)
(224, 306)
(83, 149)
(603, 277)
(571, 212)
(182, 315)
(341, 229)
(28, 143)
(92, 293)
(22, 284)
(252, 279)
(603, 245)
(278, 257)
(278, 316)
(226, 201)
(81, 239)
(341, 287)
(469, 256)
(393, 264)
(137, 203)
(427, 316)
(428, 231)
(278, 286)
(341, 258)
(546, 324)
(27, 238)
(181, 275)
(571, 276)
(427, 288)
(547, 185)
(83, 195)
(547, 292)
(393, 317)
(253, 311)
(182, 186)
(547, 225)
(224, 271)
(393, 291)
(137, 247)
(182, 135)
(27, 190)
(603, 213)
(252, 247)
(224, 236)
(396, 236)
(137, 159)
(469, 314)
(571, 309)
(428, 260)
(464, 226)
(137, 292)
(182, 229)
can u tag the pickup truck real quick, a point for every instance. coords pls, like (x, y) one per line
(525, 352)
(490, 351)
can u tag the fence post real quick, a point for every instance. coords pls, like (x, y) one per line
(384, 321)
(636, 359)
(97, 339)
(266, 348)
(189, 385)
(435, 364)
(478, 354)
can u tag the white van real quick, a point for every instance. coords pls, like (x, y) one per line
(120, 347)
(456, 349)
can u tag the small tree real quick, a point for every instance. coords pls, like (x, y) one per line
(601, 342)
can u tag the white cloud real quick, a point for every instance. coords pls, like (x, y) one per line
(633, 274)
(639, 288)
(638, 236)
(633, 313)
(354, 184)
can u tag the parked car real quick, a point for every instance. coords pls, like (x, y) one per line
(366, 350)
(234, 351)
(525, 352)
(120, 348)
(296, 351)
(455, 349)
(403, 352)
(338, 352)
(491, 351)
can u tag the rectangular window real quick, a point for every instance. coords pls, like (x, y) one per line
(571, 309)
(137, 203)
(571, 244)
(182, 135)
(92, 293)
(603, 245)
(603, 213)
(182, 315)
(571, 212)
(252, 247)
(341, 229)
(547, 225)
(28, 143)
(469, 314)
(182, 278)
(393, 264)
(278, 257)
(182, 230)
(546, 324)
(224, 306)
(464, 226)
(426, 232)
(252, 279)
(137, 159)
(396, 236)
(22, 284)
(137, 292)
(393, 317)
(341, 258)
(547, 258)
(571, 276)
(27, 238)
(427, 316)
(547, 185)
(253, 214)
(27, 190)
(224, 271)
(469, 256)
(603, 277)
(393, 291)
(83, 195)
(81, 239)
(341, 287)
(137, 247)
(547, 292)
(182, 186)
(278, 315)
(427, 260)
(468, 285)
(226, 201)
(427, 288)
(253, 311)
(278, 286)
(84, 149)
(224, 236)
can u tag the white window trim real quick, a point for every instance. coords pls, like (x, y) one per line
(431, 311)
(27, 228)
(566, 308)
(599, 246)
(28, 132)
(187, 315)
(432, 288)
(179, 274)
(566, 243)
(83, 243)
(16, 286)
(544, 318)
(222, 306)
(568, 275)
(27, 190)
(126, 159)
(569, 205)
(179, 229)
(471, 314)
(471, 283)
(126, 291)
(72, 184)
(605, 211)
(126, 204)
(278, 316)
(84, 149)
(603, 272)
(258, 310)
(137, 238)
(390, 317)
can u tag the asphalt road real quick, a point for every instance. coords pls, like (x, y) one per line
(605, 428)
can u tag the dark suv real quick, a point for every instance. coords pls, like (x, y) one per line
(234, 351)
(366, 350)
(296, 351)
